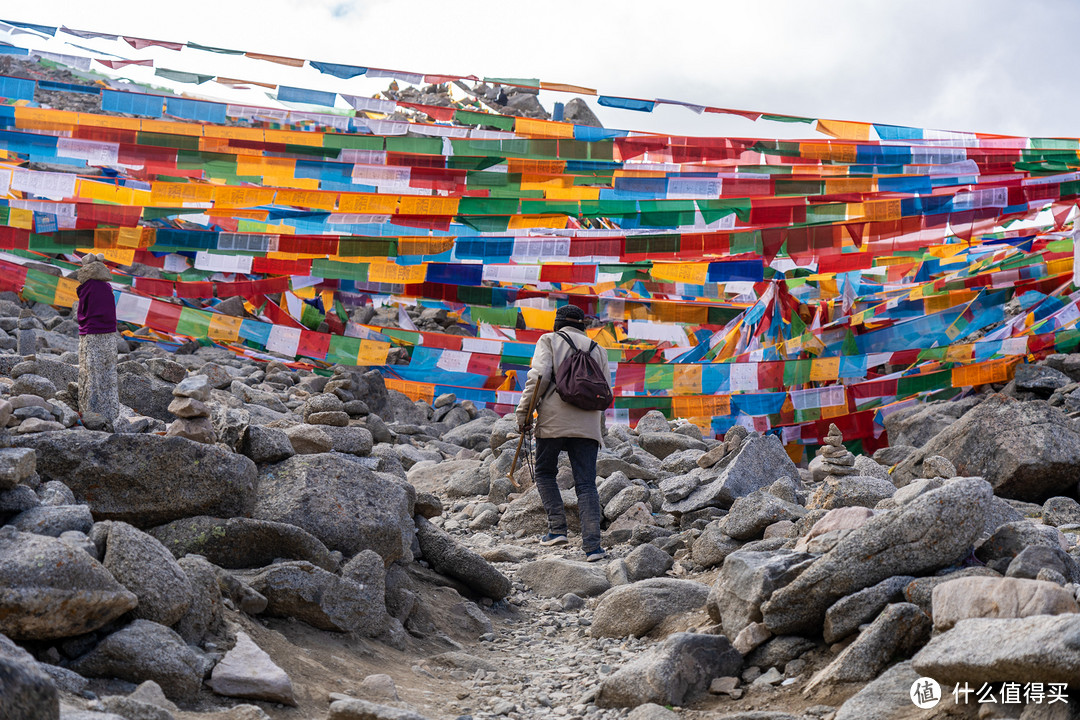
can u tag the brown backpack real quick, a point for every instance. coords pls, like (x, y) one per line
(579, 380)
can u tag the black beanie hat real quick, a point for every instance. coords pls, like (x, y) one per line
(570, 315)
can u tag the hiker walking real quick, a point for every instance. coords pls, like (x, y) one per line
(568, 384)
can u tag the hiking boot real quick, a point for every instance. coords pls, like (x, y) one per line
(551, 539)
(596, 555)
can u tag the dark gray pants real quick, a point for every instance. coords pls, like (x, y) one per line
(582, 453)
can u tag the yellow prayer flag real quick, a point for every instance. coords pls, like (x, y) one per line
(537, 319)
(687, 380)
(958, 353)
(224, 327)
(519, 222)
(385, 272)
(165, 194)
(367, 204)
(20, 218)
(845, 130)
(233, 196)
(66, 292)
(822, 369)
(692, 273)
(882, 210)
(426, 205)
(372, 352)
(543, 128)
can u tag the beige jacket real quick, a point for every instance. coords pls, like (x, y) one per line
(555, 417)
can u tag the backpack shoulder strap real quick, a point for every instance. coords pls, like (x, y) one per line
(571, 343)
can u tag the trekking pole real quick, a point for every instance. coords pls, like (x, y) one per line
(521, 441)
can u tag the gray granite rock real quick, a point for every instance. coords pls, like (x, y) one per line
(49, 589)
(141, 564)
(675, 672)
(930, 532)
(342, 502)
(1024, 650)
(323, 600)
(448, 557)
(555, 578)
(144, 480)
(243, 542)
(637, 608)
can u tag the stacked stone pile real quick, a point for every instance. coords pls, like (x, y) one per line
(192, 412)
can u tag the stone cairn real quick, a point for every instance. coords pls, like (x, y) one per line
(27, 336)
(833, 458)
(193, 415)
(99, 397)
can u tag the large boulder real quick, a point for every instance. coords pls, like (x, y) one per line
(50, 589)
(675, 672)
(1038, 649)
(206, 614)
(887, 698)
(143, 392)
(144, 480)
(662, 444)
(243, 542)
(434, 476)
(989, 597)
(321, 599)
(747, 580)
(526, 513)
(637, 608)
(341, 501)
(446, 556)
(142, 564)
(898, 631)
(850, 491)
(144, 651)
(475, 434)
(845, 616)
(757, 464)
(916, 425)
(930, 532)
(16, 465)
(363, 710)
(1025, 450)
(556, 577)
(750, 515)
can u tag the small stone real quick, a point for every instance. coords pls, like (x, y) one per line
(185, 407)
(16, 465)
(723, 685)
(380, 687)
(309, 440)
(193, 386)
(334, 419)
(37, 425)
(937, 466)
(444, 400)
(772, 676)
(167, 370)
(199, 429)
(247, 671)
(751, 637)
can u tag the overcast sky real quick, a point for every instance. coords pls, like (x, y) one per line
(987, 65)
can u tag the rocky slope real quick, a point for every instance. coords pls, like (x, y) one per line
(252, 541)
